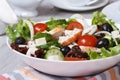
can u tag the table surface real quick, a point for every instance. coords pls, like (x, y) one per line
(8, 61)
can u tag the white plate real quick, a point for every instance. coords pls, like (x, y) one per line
(64, 6)
(113, 11)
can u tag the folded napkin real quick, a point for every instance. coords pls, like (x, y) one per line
(28, 73)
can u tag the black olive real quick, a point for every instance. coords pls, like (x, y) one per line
(98, 36)
(20, 40)
(64, 50)
(103, 42)
(105, 27)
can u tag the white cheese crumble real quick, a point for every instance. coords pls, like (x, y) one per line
(40, 41)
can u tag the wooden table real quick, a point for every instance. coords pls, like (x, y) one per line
(8, 61)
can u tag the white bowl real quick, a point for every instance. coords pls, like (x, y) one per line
(26, 8)
(68, 68)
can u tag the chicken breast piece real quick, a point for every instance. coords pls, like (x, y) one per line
(70, 36)
(56, 32)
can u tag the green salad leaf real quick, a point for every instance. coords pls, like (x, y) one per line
(100, 18)
(10, 33)
(71, 20)
(115, 50)
(20, 29)
(47, 36)
(54, 23)
(93, 54)
(104, 52)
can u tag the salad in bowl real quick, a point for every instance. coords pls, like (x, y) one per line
(56, 45)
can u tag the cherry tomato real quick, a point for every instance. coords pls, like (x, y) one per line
(73, 59)
(39, 27)
(73, 25)
(87, 40)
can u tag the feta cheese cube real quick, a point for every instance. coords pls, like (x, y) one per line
(115, 34)
(40, 41)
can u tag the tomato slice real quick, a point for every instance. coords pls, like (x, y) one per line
(73, 25)
(87, 40)
(73, 59)
(39, 27)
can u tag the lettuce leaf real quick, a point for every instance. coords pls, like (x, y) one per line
(104, 52)
(100, 18)
(93, 54)
(115, 50)
(54, 23)
(47, 36)
(20, 29)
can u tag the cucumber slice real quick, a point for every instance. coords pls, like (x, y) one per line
(54, 54)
